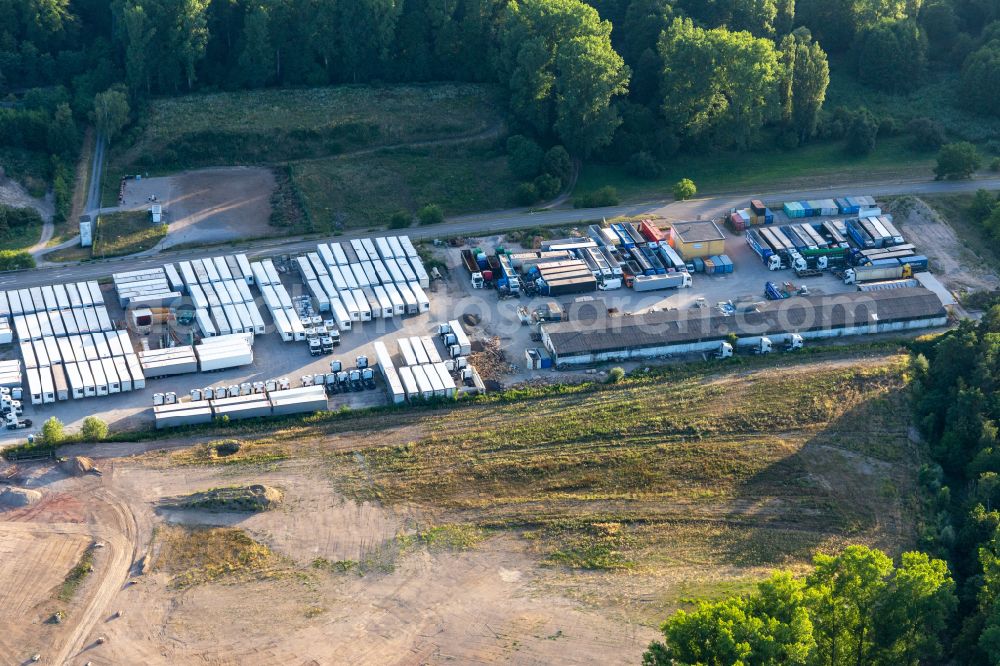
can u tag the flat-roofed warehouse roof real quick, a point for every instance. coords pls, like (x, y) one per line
(686, 330)
(703, 231)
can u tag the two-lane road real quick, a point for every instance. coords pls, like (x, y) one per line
(496, 223)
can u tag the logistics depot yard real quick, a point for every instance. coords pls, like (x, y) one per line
(354, 323)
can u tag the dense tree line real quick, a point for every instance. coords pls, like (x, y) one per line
(633, 81)
(941, 605)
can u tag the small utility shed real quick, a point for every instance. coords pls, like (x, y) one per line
(702, 238)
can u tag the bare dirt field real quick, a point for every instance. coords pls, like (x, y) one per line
(208, 205)
(954, 264)
(13, 194)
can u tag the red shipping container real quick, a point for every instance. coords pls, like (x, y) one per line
(651, 232)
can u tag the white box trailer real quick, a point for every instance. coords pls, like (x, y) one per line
(204, 322)
(244, 264)
(374, 306)
(103, 319)
(73, 294)
(340, 314)
(80, 315)
(370, 273)
(58, 325)
(89, 347)
(359, 275)
(418, 351)
(431, 349)
(221, 323)
(320, 295)
(404, 268)
(384, 276)
(114, 344)
(450, 389)
(364, 308)
(326, 254)
(337, 275)
(270, 297)
(174, 278)
(409, 383)
(101, 343)
(124, 376)
(423, 382)
(408, 247)
(62, 297)
(198, 297)
(14, 301)
(75, 381)
(34, 385)
(235, 323)
(299, 400)
(28, 354)
(27, 305)
(272, 272)
(338, 254)
(385, 303)
(87, 376)
(305, 269)
(348, 273)
(370, 248)
(359, 249)
(255, 318)
(408, 298)
(435, 380)
(49, 297)
(398, 304)
(353, 311)
(406, 352)
(298, 329)
(211, 270)
(245, 294)
(69, 322)
(96, 297)
(37, 299)
(48, 385)
(66, 352)
(222, 293)
(41, 355)
(100, 380)
(286, 300)
(234, 292)
(382, 248)
(34, 326)
(281, 324)
(212, 358)
(44, 324)
(4, 305)
(234, 268)
(463, 342)
(93, 323)
(423, 302)
(395, 271)
(135, 370)
(396, 247)
(52, 349)
(222, 268)
(319, 268)
(125, 342)
(187, 273)
(244, 314)
(111, 375)
(86, 298)
(259, 274)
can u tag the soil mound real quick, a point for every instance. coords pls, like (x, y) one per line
(15, 498)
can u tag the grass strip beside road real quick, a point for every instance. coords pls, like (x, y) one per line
(124, 233)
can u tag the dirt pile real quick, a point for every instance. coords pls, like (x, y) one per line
(78, 466)
(15, 498)
(253, 499)
(488, 359)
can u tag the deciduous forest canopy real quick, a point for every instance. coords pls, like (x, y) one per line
(620, 80)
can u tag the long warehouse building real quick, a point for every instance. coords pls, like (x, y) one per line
(684, 331)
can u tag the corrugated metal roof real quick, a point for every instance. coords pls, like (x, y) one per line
(801, 313)
(702, 231)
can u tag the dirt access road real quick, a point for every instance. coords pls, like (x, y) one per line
(72, 514)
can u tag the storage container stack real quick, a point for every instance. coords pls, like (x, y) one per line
(68, 343)
(219, 288)
(224, 352)
(718, 264)
(423, 374)
(240, 402)
(168, 361)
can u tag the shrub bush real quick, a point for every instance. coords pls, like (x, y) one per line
(526, 194)
(558, 163)
(401, 219)
(927, 134)
(94, 429)
(547, 186)
(684, 189)
(957, 160)
(616, 375)
(13, 260)
(524, 157)
(605, 196)
(430, 214)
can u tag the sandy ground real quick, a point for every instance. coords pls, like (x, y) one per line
(208, 205)
(491, 604)
(13, 194)
(954, 265)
